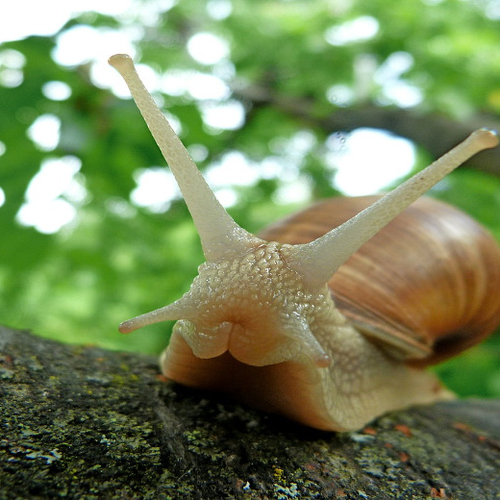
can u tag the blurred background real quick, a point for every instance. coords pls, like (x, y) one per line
(280, 102)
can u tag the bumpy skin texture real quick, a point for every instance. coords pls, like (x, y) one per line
(256, 307)
(276, 359)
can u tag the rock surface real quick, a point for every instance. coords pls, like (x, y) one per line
(86, 423)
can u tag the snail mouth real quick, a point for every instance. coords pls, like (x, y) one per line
(247, 341)
(254, 340)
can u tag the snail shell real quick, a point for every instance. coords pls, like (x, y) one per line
(426, 287)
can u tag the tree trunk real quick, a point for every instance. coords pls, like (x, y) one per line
(84, 423)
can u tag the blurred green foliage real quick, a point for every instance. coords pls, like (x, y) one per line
(116, 259)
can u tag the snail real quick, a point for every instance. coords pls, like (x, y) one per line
(281, 323)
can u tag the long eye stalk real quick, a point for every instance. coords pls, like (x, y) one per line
(220, 236)
(319, 259)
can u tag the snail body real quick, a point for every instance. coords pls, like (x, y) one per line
(267, 321)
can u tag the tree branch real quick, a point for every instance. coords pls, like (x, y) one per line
(81, 422)
(435, 133)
